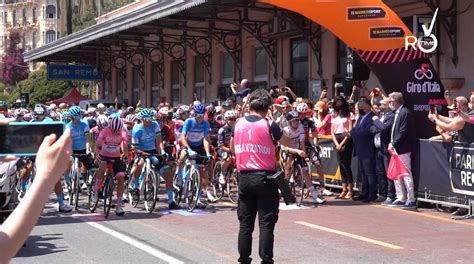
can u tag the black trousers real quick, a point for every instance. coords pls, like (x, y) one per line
(257, 195)
(344, 158)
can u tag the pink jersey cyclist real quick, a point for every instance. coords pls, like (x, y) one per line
(111, 143)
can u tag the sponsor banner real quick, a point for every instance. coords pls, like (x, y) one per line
(363, 13)
(417, 80)
(328, 157)
(461, 171)
(386, 32)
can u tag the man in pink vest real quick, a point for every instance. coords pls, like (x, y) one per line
(254, 144)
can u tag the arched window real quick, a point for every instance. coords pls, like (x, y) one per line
(33, 39)
(50, 11)
(34, 14)
(50, 36)
(24, 15)
(14, 18)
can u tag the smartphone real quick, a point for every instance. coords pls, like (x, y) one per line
(432, 109)
(23, 138)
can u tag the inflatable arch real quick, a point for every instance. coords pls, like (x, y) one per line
(377, 34)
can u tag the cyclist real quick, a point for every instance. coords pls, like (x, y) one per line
(224, 135)
(297, 147)
(147, 140)
(110, 145)
(181, 115)
(309, 127)
(80, 134)
(130, 121)
(195, 139)
(102, 122)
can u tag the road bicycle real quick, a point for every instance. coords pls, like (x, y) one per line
(230, 184)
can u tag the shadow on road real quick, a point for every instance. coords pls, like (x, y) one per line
(40, 245)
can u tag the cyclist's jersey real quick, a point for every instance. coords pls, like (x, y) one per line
(214, 131)
(144, 138)
(195, 133)
(224, 135)
(168, 134)
(111, 142)
(296, 135)
(178, 128)
(129, 135)
(308, 126)
(79, 134)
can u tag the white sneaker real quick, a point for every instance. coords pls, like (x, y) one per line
(119, 211)
(65, 208)
(326, 192)
(318, 200)
(211, 197)
(221, 179)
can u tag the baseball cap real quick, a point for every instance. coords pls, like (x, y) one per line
(320, 105)
(278, 101)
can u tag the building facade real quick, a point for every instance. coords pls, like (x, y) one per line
(36, 20)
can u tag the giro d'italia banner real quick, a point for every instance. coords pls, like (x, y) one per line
(399, 60)
(461, 170)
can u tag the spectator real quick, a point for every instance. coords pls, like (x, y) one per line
(465, 130)
(324, 94)
(364, 149)
(322, 119)
(341, 125)
(244, 89)
(471, 104)
(52, 160)
(401, 143)
(382, 128)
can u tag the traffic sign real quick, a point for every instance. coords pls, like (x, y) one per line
(74, 72)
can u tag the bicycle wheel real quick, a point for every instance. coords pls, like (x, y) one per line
(233, 186)
(71, 186)
(298, 184)
(108, 194)
(94, 182)
(193, 189)
(177, 188)
(216, 187)
(151, 190)
(77, 189)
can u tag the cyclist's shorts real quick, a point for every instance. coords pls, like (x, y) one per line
(200, 151)
(117, 164)
(161, 160)
(314, 156)
(85, 160)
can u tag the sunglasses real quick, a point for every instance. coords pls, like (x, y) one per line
(232, 119)
(199, 115)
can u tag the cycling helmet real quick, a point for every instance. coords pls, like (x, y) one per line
(164, 110)
(39, 110)
(75, 111)
(292, 115)
(131, 118)
(184, 108)
(199, 109)
(62, 105)
(145, 114)
(211, 111)
(302, 108)
(115, 124)
(52, 107)
(102, 121)
(101, 106)
(230, 114)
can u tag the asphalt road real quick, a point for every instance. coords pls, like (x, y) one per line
(337, 232)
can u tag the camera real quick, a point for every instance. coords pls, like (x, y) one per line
(278, 179)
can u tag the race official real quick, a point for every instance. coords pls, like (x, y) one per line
(254, 144)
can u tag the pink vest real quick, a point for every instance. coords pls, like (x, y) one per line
(254, 148)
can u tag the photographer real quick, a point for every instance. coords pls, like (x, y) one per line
(253, 142)
(52, 159)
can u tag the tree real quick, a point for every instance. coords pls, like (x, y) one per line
(40, 88)
(14, 68)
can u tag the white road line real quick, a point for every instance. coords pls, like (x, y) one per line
(136, 243)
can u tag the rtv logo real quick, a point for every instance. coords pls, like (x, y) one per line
(427, 43)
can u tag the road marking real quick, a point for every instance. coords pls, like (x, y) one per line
(357, 237)
(460, 222)
(144, 247)
(189, 242)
